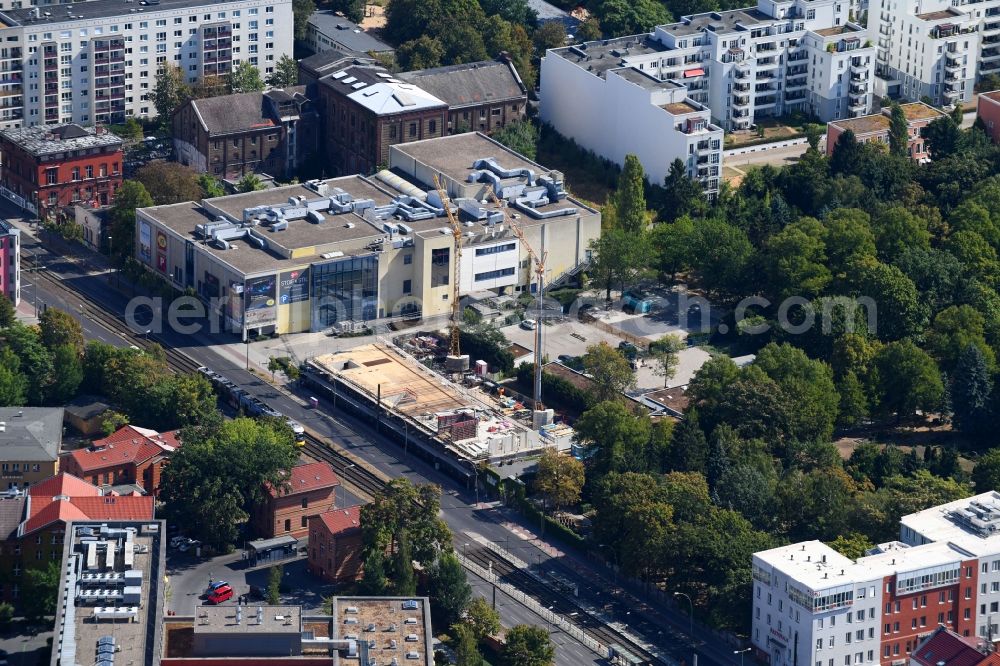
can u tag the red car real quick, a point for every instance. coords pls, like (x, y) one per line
(220, 594)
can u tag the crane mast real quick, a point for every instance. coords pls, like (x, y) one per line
(454, 348)
(538, 263)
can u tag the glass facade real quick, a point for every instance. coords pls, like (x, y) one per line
(344, 290)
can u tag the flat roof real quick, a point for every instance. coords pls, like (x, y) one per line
(941, 523)
(679, 108)
(42, 140)
(253, 619)
(403, 621)
(834, 30)
(346, 33)
(97, 9)
(30, 434)
(719, 22)
(879, 122)
(601, 55)
(993, 95)
(941, 14)
(920, 111)
(78, 626)
(182, 218)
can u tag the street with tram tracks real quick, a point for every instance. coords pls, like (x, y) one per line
(351, 446)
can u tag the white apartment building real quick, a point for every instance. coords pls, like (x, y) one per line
(96, 61)
(934, 48)
(615, 109)
(772, 59)
(814, 607)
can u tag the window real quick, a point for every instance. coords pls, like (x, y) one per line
(408, 259)
(288, 525)
(305, 502)
(305, 521)
(90, 171)
(507, 247)
(432, 126)
(492, 275)
(413, 130)
(51, 176)
(407, 288)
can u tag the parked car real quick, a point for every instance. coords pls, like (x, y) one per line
(217, 584)
(188, 545)
(176, 541)
(221, 594)
(529, 324)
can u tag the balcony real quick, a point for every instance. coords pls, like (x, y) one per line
(766, 63)
(765, 76)
(741, 101)
(741, 87)
(857, 77)
(797, 57)
(766, 101)
(857, 102)
(795, 96)
(953, 64)
(991, 27)
(792, 84)
(950, 77)
(858, 66)
(989, 53)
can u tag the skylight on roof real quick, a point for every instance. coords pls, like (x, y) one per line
(349, 79)
(384, 75)
(339, 75)
(359, 85)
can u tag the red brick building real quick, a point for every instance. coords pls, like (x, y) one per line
(56, 166)
(335, 545)
(33, 526)
(988, 112)
(310, 490)
(129, 456)
(876, 128)
(366, 110)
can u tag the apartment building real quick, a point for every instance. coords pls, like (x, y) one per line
(614, 110)
(934, 49)
(96, 61)
(814, 607)
(737, 66)
(335, 545)
(310, 490)
(875, 128)
(30, 440)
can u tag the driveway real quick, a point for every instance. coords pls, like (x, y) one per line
(25, 646)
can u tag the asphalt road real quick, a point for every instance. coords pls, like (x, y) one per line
(457, 510)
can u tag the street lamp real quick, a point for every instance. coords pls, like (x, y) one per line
(741, 653)
(691, 612)
(110, 254)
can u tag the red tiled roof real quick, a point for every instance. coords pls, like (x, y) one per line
(64, 484)
(339, 521)
(47, 510)
(50, 511)
(948, 647)
(113, 454)
(304, 478)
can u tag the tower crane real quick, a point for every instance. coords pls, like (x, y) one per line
(538, 262)
(454, 349)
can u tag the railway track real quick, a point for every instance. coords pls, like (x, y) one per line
(549, 598)
(362, 479)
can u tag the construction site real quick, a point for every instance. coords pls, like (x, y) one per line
(463, 422)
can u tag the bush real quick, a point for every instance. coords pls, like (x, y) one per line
(556, 390)
(487, 343)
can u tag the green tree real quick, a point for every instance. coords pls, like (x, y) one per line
(664, 352)
(482, 619)
(285, 74)
(671, 245)
(942, 137)
(170, 92)
(549, 35)
(60, 328)
(619, 18)
(689, 447)
(249, 183)
(402, 505)
(354, 10)
(169, 182)
(611, 371)
(246, 77)
(953, 330)
(274, 577)
(8, 315)
(852, 545)
(521, 136)
(13, 383)
(466, 647)
(721, 254)
(404, 581)
(630, 197)
(67, 374)
(35, 361)
(301, 11)
(615, 435)
(559, 479)
(112, 421)
(986, 473)
(848, 239)
(131, 195)
(527, 645)
(899, 132)
(40, 592)
(424, 52)
(210, 186)
(896, 230)
(908, 379)
(450, 593)
(808, 386)
(374, 581)
(899, 308)
(681, 196)
(846, 153)
(588, 30)
(975, 253)
(971, 392)
(6, 613)
(618, 259)
(796, 261)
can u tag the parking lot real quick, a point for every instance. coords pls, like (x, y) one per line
(189, 577)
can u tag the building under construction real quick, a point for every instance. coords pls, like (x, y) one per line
(444, 420)
(344, 252)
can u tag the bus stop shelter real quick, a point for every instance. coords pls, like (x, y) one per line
(268, 551)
